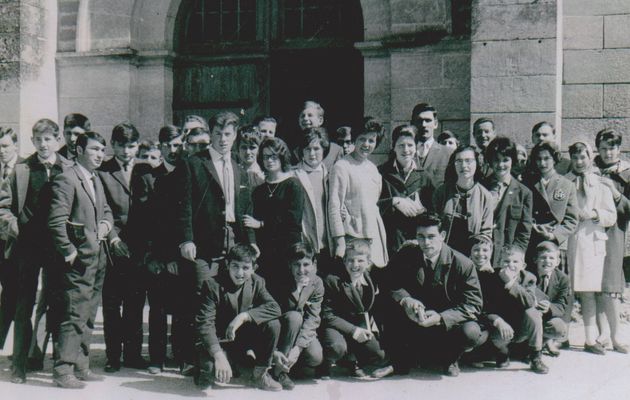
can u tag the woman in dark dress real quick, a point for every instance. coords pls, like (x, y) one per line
(407, 189)
(467, 206)
(278, 204)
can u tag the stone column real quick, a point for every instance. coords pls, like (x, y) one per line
(514, 77)
(28, 89)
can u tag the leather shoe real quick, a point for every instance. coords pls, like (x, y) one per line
(502, 361)
(537, 365)
(112, 367)
(452, 370)
(155, 369)
(88, 376)
(68, 382)
(551, 348)
(383, 372)
(595, 349)
(188, 369)
(621, 348)
(18, 379)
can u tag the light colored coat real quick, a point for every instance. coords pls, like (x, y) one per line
(587, 246)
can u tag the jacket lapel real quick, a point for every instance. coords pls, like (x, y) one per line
(304, 295)
(541, 189)
(85, 185)
(353, 295)
(22, 173)
(120, 177)
(209, 165)
(247, 296)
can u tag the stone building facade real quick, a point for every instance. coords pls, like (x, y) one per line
(516, 61)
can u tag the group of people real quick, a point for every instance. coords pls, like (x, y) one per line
(297, 255)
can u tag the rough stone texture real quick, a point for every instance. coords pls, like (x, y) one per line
(617, 31)
(514, 58)
(597, 66)
(515, 21)
(595, 7)
(513, 94)
(451, 103)
(67, 25)
(585, 130)
(583, 32)
(516, 126)
(617, 100)
(412, 16)
(377, 87)
(155, 110)
(377, 19)
(459, 127)
(582, 101)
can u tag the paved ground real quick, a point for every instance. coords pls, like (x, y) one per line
(574, 375)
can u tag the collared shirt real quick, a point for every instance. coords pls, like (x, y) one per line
(218, 161)
(545, 282)
(433, 260)
(48, 163)
(502, 186)
(89, 177)
(360, 282)
(126, 172)
(8, 167)
(426, 146)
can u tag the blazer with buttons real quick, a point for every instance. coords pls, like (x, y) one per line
(558, 291)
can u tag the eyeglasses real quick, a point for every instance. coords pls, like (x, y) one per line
(270, 157)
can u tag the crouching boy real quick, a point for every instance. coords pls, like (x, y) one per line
(301, 304)
(236, 314)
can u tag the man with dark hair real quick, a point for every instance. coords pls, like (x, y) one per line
(122, 298)
(73, 125)
(79, 221)
(436, 300)
(431, 156)
(483, 133)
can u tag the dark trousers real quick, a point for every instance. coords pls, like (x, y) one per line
(338, 345)
(408, 343)
(163, 295)
(123, 302)
(8, 297)
(529, 330)
(77, 303)
(262, 339)
(291, 323)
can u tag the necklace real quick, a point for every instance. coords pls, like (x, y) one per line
(272, 191)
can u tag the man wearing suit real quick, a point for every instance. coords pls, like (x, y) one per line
(432, 156)
(73, 125)
(513, 213)
(123, 299)
(436, 301)
(483, 133)
(8, 274)
(24, 203)
(79, 222)
(213, 198)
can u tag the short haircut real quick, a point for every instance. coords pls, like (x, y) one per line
(197, 132)
(478, 240)
(502, 146)
(420, 108)
(541, 124)
(278, 147)
(242, 253)
(196, 118)
(373, 125)
(124, 133)
(341, 132)
(579, 147)
(44, 126)
(264, 118)
(450, 175)
(222, 120)
(406, 130)
(76, 120)
(429, 219)
(248, 135)
(445, 135)
(168, 133)
(311, 134)
(8, 132)
(552, 148)
(82, 139)
(513, 249)
(148, 145)
(315, 105)
(360, 246)
(480, 121)
(547, 246)
(609, 136)
(300, 250)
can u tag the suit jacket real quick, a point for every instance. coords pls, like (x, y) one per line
(557, 293)
(556, 205)
(66, 153)
(435, 162)
(309, 216)
(512, 217)
(200, 210)
(309, 304)
(510, 304)
(13, 192)
(343, 308)
(217, 309)
(75, 215)
(456, 272)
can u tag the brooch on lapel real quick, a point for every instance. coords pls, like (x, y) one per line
(559, 194)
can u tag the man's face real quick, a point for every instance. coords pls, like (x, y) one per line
(310, 117)
(430, 240)
(172, 150)
(302, 270)
(484, 134)
(240, 271)
(609, 153)
(125, 152)
(190, 125)
(151, 157)
(92, 157)
(544, 134)
(546, 262)
(480, 254)
(426, 124)
(71, 135)
(356, 263)
(8, 149)
(45, 144)
(267, 129)
(197, 143)
(222, 138)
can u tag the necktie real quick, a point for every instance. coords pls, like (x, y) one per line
(92, 187)
(429, 274)
(48, 166)
(6, 171)
(545, 283)
(226, 180)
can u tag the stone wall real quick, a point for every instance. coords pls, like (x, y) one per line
(596, 86)
(10, 63)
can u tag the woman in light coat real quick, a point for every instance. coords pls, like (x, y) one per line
(587, 246)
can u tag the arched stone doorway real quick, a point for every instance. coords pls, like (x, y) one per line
(268, 57)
